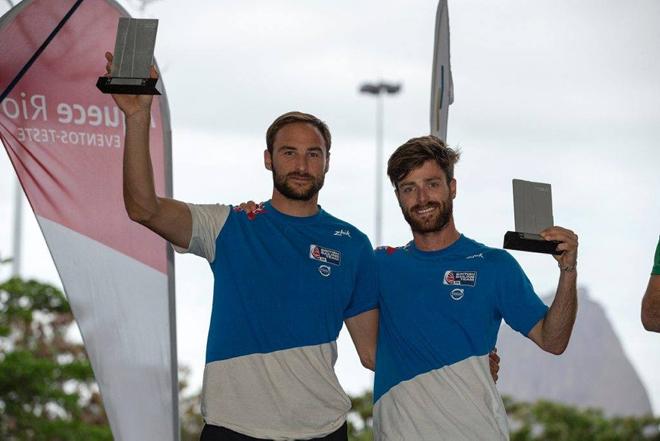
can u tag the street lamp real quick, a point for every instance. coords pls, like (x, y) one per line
(379, 89)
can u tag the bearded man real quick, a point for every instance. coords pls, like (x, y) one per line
(442, 299)
(284, 284)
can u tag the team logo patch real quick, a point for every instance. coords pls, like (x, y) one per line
(456, 294)
(325, 255)
(460, 278)
(325, 270)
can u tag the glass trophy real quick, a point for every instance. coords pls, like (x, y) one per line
(532, 207)
(132, 59)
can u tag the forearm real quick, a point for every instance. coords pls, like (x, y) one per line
(139, 191)
(558, 322)
(651, 305)
(364, 332)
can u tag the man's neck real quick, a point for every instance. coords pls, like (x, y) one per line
(293, 207)
(437, 240)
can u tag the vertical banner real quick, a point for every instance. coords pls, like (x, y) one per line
(442, 86)
(65, 141)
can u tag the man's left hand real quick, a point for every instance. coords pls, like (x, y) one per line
(568, 244)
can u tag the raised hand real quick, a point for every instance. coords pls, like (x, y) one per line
(131, 104)
(569, 245)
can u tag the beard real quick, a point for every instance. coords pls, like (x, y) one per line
(430, 224)
(295, 192)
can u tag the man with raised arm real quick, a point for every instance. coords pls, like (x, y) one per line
(651, 300)
(286, 277)
(442, 299)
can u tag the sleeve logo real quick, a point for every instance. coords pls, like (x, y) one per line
(325, 255)
(460, 278)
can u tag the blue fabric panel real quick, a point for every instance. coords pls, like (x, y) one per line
(284, 282)
(438, 308)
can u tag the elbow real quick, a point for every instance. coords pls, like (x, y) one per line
(368, 361)
(556, 348)
(136, 215)
(137, 212)
(650, 324)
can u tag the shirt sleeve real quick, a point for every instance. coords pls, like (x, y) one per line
(207, 222)
(519, 305)
(656, 264)
(365, 291)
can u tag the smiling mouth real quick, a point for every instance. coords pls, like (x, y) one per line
(426, 210)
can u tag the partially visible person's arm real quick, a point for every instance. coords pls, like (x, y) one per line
(651, 300)
(494, 364)
(553, 332)
(169, 218)
(364, 333)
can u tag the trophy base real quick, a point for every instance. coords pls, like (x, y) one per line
(514, 240)
(129, 86)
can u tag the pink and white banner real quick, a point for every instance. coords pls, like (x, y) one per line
(442, 85)
(65, 141)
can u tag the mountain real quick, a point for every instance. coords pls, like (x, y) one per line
(594, 371)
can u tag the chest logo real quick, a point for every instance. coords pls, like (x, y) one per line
(456, 294)
(343, 233)
(460, 278)
(325, 255)
(325, 270)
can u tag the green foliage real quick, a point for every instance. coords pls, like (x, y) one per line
(360, 418)
(192, 422)
(47, 388)
(546, 421)
(540, 421)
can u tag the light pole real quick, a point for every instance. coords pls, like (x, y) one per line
(379, 90)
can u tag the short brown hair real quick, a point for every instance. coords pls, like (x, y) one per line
(415, 152)
(297, 117)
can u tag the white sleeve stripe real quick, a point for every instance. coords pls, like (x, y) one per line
(207, 222)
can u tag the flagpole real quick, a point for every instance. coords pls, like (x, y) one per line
(18, 231)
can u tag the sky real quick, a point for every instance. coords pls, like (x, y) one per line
(551, 91)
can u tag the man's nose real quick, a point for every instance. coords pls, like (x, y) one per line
(301, 163)
(422, 196)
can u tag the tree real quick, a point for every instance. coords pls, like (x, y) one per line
(546, 421)
(192, 422)
(360, 418)
(47, 388)
(540, 421)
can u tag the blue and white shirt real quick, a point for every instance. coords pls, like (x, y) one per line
(283, 287)
(439, 317)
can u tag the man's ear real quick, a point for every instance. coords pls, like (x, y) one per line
(327, 162)
(452, 188)
(268, 160)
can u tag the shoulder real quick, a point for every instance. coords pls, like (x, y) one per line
(388, 252)
(237, 213)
